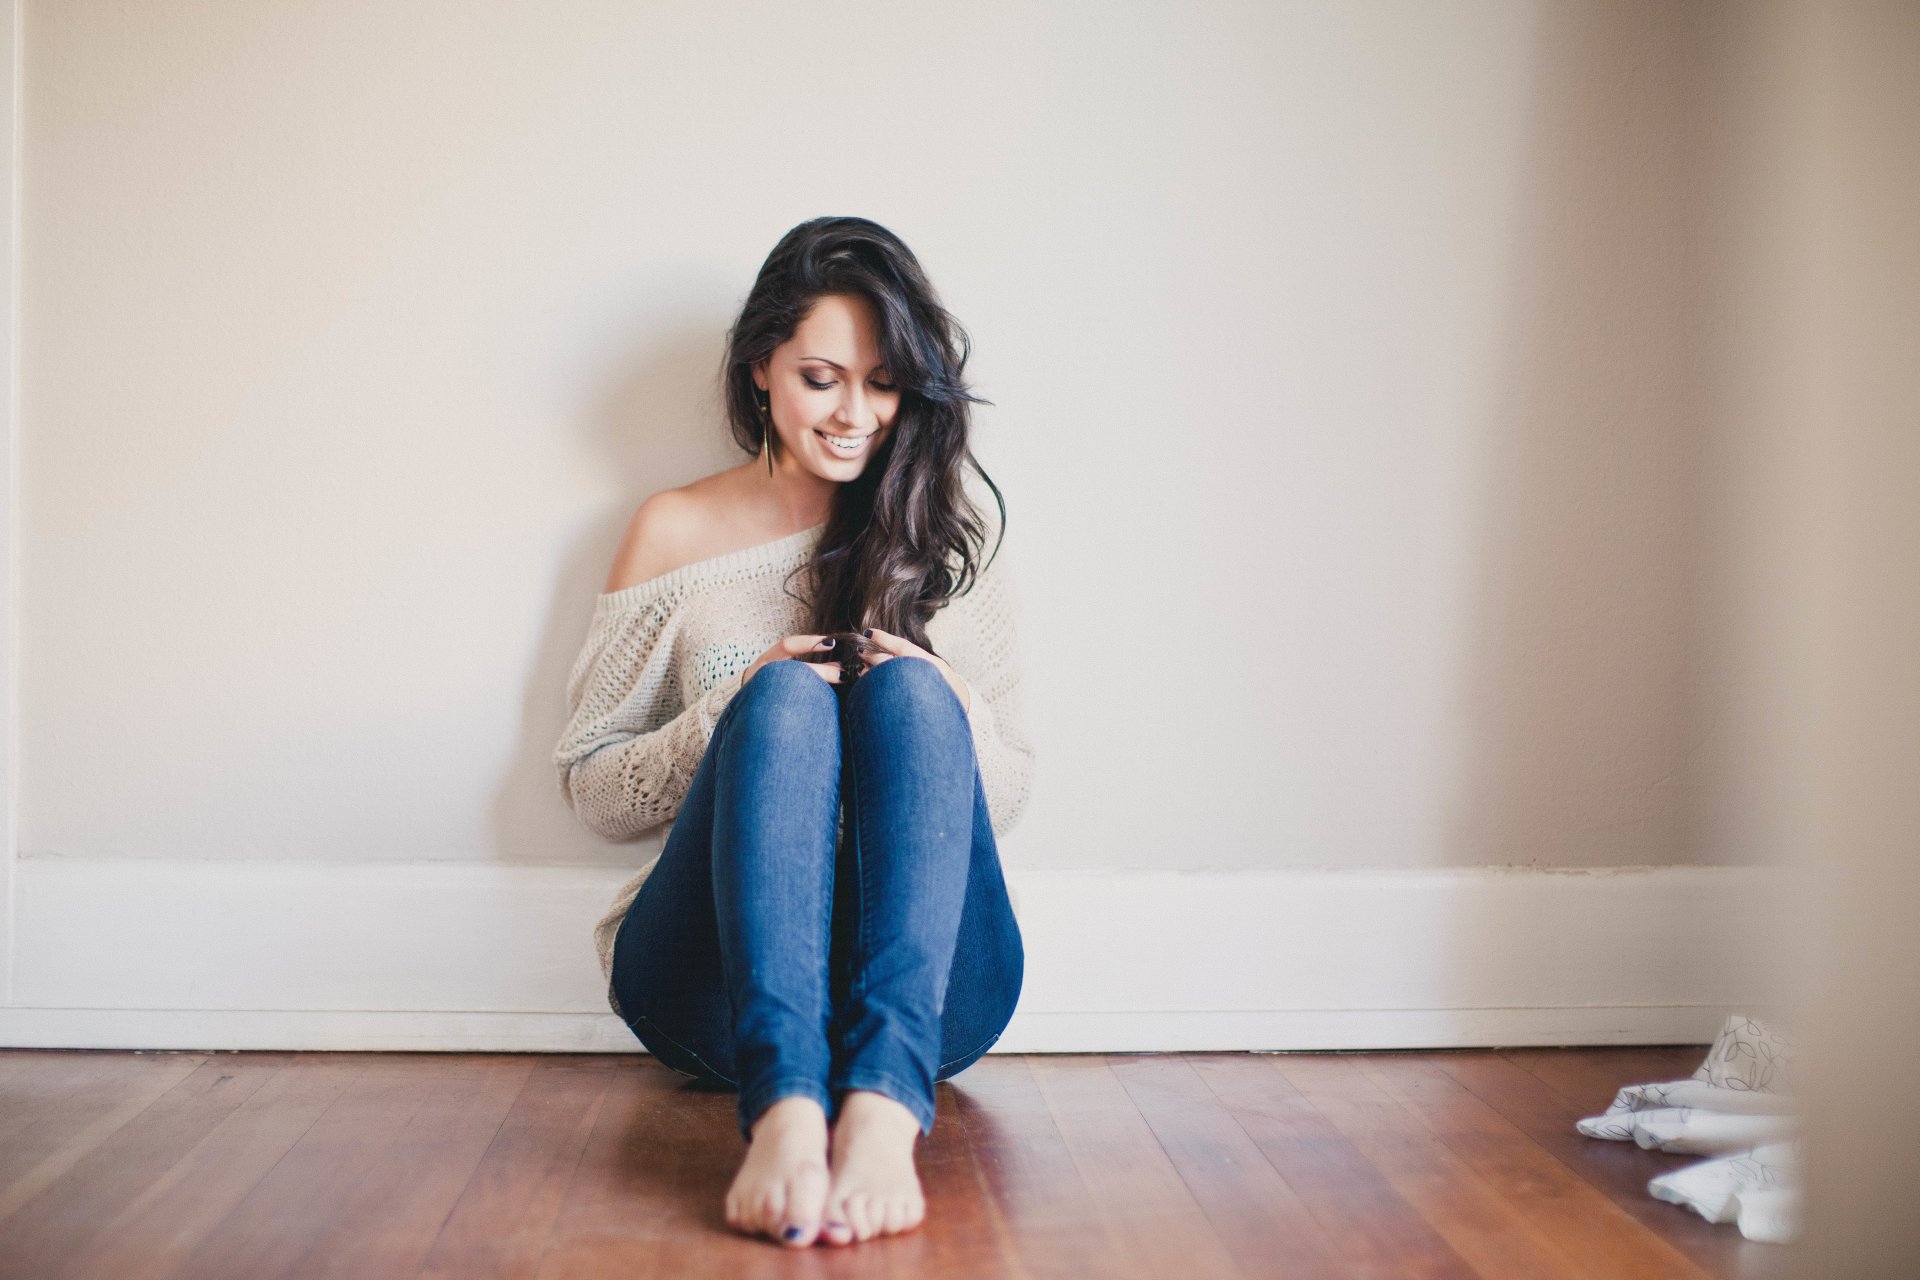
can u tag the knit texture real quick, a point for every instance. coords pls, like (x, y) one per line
(664, 657)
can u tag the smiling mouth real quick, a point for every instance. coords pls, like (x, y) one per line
(848, 445)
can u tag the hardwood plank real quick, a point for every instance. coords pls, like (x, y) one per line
(15, 1061)
(42, 1077)
(640, 1167)
(1378, 1234)
(51, 1224)
(1043, 1209)
(1590, 1078)
(40, 1153)
(282, 1217)
(1619, 1170)
(1496, 1239)
(1413, 1166)
(152, 1236)
(398, 1204)
(61, 1092)
(1562, 1206)
(1153, 1219)
(1263, 1223)
(499, 1227)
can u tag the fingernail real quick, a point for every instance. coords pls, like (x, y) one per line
(825, 644)
(868, 633)
(793, 1232)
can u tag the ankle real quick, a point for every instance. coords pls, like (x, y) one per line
(796, 1113)
(868, 1106)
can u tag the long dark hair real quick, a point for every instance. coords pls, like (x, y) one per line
(903, 537)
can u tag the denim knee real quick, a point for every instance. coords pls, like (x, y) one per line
(916, 679)
(783, 671)
(795, 697)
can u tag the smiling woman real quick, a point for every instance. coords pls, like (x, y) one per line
(848, 403)
(827, 928)
(841, 357)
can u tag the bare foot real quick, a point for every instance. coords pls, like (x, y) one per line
(875, 1190)
(783, 1181)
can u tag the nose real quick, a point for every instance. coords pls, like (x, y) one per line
(856, 412)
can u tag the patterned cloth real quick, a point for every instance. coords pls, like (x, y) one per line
(1738, 1107)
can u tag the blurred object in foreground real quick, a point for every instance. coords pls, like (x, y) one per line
(1821, 101)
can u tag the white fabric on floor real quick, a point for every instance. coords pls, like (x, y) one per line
(1737, 1107)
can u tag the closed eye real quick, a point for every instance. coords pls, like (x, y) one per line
(822, 386)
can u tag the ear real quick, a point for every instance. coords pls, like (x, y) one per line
(759, 368)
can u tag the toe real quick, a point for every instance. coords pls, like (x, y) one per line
(740, 1213)
(860, 1216)
(767, 1217)
(834, 1228)
(806, 1194)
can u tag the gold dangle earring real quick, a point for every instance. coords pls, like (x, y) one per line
(766, 430)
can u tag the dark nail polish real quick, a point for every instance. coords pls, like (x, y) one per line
(793, 1233)
(868, 633)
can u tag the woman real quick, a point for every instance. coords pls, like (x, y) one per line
(826, 927)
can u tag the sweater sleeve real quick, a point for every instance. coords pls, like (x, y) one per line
(985, 654)
(630, 749)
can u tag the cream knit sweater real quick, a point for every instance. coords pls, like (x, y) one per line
(664, 657)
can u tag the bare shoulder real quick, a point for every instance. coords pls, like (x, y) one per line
(678, 527)
(665, 533)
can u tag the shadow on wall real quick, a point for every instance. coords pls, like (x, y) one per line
(659, 422)
(1576, 698)
(1591, 712)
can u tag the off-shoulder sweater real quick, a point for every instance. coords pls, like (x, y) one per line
(664, 657)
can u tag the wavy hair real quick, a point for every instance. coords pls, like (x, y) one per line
(902, 538)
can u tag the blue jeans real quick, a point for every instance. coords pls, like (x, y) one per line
(760, 954)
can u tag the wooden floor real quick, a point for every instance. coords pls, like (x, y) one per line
(1171, 1166)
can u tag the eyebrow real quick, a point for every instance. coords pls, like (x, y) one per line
(842, 368)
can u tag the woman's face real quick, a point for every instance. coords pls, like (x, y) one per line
(826, 383)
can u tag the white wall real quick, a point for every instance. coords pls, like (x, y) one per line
(1337, 353)
(1346, 365)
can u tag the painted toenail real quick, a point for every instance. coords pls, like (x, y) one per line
(794, 1233)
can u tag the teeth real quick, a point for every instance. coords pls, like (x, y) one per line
(836, 443)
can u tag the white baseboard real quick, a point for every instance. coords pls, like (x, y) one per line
(449, 956)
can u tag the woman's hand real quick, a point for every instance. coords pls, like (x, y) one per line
(793, 647)
(888, 646)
